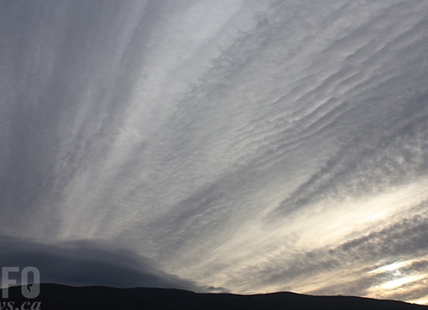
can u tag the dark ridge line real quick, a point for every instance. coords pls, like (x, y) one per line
(65, 297)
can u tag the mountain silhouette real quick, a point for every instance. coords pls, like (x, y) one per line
(62, 297)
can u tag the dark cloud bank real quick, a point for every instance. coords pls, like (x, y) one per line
(84, 263)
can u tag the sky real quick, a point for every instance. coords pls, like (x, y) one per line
(217, 146)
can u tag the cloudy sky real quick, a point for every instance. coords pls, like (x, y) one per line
(226, 145)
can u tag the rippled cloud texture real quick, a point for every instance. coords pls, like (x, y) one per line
(250, 146)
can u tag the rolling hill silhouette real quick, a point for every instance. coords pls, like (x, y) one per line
(55, 297)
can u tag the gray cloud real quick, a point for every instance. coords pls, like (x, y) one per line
(213, 136)
(88, 263)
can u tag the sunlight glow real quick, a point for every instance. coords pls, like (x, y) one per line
(400, 282)
(423, 302)
(390, 267)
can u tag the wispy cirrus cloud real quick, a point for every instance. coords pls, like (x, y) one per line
(255, 146)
